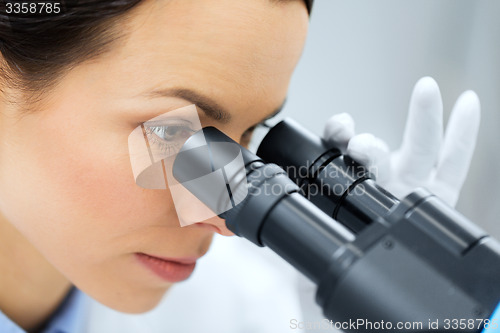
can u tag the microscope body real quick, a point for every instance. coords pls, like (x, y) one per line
(380, 264)
(423, 267)
(415, 262)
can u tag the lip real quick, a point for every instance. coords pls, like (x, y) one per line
(169, 269)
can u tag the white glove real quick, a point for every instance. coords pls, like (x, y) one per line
(424, 158)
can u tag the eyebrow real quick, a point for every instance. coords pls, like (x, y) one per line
(211, 108)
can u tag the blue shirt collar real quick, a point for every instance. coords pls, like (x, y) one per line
(70, 317)
(7, 326)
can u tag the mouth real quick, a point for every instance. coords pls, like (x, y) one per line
(168, 269)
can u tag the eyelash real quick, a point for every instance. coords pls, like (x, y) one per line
(170, 147)
(164, 145)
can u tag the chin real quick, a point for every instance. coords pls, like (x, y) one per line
(135, 303)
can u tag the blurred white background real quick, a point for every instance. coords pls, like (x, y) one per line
(363, 57)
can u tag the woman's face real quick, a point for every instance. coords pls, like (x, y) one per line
(66, 181)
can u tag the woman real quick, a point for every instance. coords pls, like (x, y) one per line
(73, 87)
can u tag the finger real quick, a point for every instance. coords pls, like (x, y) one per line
(423, 134)
(458, 146)
(339, 129)
(373, 153)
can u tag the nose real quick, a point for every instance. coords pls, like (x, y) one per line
(220, 226)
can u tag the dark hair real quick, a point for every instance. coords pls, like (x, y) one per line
(36, 49)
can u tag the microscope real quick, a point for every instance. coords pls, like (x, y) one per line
(380, 264)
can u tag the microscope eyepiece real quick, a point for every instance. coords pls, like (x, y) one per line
(342, 188)
(272, 213)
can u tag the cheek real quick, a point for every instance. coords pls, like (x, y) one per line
(94, 178)
(98, 184)
(74, 197)
(75, 189)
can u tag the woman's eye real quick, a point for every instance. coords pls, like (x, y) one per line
(168, 138)
(172, 132)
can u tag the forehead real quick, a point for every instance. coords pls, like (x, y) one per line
(247, 47)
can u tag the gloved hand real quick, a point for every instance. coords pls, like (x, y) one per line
(424, 159)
